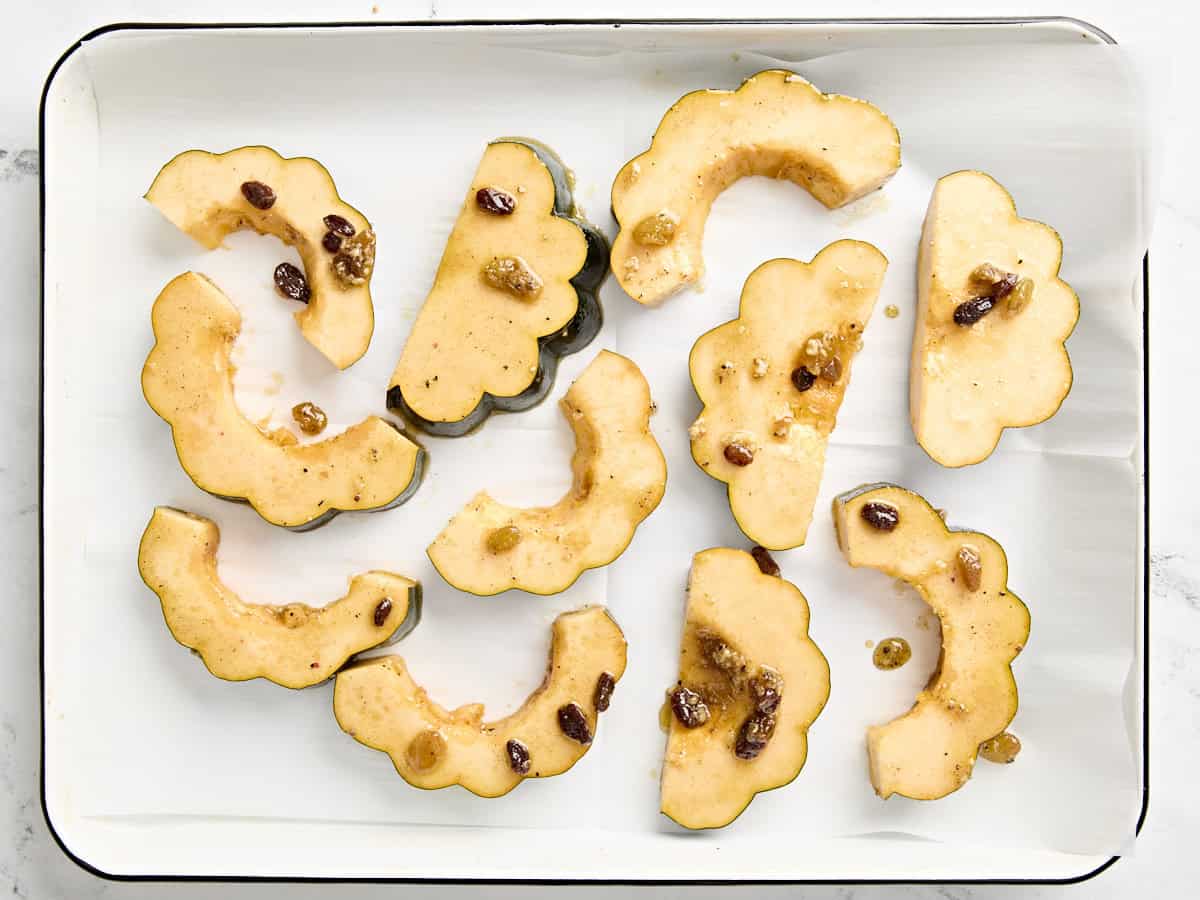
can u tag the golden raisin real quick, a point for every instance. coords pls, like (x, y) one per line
(310, 417)
(656, 230)
(503, 539)
(1003, 748)
(355, 261)
(513, 274)
(892, 653)
(832, 370)
(818, 349)
(970, 567)
(1020, 298)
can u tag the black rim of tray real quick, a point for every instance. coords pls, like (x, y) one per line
(1086, 28)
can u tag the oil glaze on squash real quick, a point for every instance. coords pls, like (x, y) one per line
(740, 621)
(768, 388)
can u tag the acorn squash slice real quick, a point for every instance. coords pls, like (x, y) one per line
(772, 381)
(378, 704)
(620, 477)
(515, 290)
(776, 124)
(188, 381)
(209, 195)
(989, 345)
(292, 645)
(751, 682)
(930, 751)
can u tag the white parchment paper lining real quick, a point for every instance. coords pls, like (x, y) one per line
(402, 131)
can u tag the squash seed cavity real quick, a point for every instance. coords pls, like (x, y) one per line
(891, 653)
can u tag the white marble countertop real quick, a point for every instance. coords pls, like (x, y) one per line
(1163, 862)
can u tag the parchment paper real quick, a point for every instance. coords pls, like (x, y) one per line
(1062, 129)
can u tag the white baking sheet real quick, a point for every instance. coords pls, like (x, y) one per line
(400, 121)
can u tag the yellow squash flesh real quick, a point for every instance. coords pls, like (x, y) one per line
(765, 619)
(968, 384)
(188, 380)
(200, 193)
(476, 346)
(378, 704)
(742, 373)
(293, 645)
(930, 751)
(620, 477)
(776, 124)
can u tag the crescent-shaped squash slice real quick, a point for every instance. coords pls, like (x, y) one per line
(378, 704)
(772, 381)
(930, 751)
(515, 290)
(776, 124)
(293, 645)
(751, 682)
(188, 380)
(620, 477)
(989, 345)
(208, 195)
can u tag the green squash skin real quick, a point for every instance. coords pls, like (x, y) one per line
(577, 333)
(329, 515)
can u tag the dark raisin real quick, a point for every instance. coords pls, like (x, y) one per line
(754, 735)
(495, 201)
(291, 282)
(739, 454)
(766, 564)
(1004, 286)
(574, 723)
(767, 690)
(803, 379)
(689, 707)
(883, 516)
(338, 225)
(518, 757)
(332, 242)
(604, 688)
(258, 195)
(971, 311)
(382, 611)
